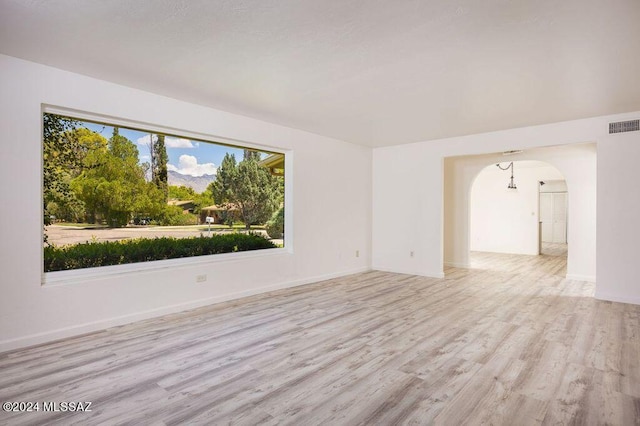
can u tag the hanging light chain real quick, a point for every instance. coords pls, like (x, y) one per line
(511, 185)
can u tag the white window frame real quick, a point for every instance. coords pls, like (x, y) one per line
(59, 278)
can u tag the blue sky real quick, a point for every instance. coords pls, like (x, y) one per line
(186, 156)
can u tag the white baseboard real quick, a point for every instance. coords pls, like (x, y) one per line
(616, 298)
(410, 272)
(49, 336)
(457, 265)
(577, 277)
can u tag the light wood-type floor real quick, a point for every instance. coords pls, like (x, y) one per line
(516, 345)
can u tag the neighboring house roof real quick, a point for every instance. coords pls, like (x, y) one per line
(220, 208)
(275, 164)
(179, 203)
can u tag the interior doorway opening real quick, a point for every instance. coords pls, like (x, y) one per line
(553, 213)
(576, 164)
(518, 208)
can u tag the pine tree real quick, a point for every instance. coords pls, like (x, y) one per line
(251, 154)
(248, 187)
(159, 159)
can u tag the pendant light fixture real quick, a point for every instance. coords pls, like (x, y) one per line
(512, 185)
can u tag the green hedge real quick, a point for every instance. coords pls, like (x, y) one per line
(91, 254)
(275, 225)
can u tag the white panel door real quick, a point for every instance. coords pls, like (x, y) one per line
(546, 216)
(553, 215)
(560, 217)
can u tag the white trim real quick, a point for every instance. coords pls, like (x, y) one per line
(288, 201)
(457, 265)
(616, 298)
(61, 278)
(410, 272)
(49, 336)
(157, 128)
(578, 277)
(82, 275)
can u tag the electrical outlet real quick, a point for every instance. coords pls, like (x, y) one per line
(411, 254)
(357, 253)
(201, 278)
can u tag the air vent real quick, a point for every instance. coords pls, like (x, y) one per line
(624, 126)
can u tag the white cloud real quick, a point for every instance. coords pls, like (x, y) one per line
(170, 142)
(188, 165)
(144, 141)
(178, 143)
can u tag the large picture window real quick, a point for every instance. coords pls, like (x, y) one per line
(114, 195)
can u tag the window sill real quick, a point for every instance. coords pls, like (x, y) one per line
(61, 278)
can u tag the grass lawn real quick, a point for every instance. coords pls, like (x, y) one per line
(80, 225)
(202, 227)
(237, 226)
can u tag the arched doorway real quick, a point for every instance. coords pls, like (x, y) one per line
(577, 163)
(518, 207)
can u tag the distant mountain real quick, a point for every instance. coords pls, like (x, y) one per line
(198, 183)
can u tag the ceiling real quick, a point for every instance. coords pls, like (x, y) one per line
(371, 72)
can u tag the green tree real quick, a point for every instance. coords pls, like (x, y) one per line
(85, 144)
(184, 193)
(248, 187)
(179, 192)
(59, 160)
(159, 159)
(202, 200)
(114, 188)
(251, 154)
(222, 188)
(275, 225)
(122, 148)
(256, 192)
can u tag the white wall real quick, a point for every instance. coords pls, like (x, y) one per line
(407, 211)
(619, 218)
(404, 215)
(331, 206)
(503, 220)
(413, 175)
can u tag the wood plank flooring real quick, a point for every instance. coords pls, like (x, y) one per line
(515, 345)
